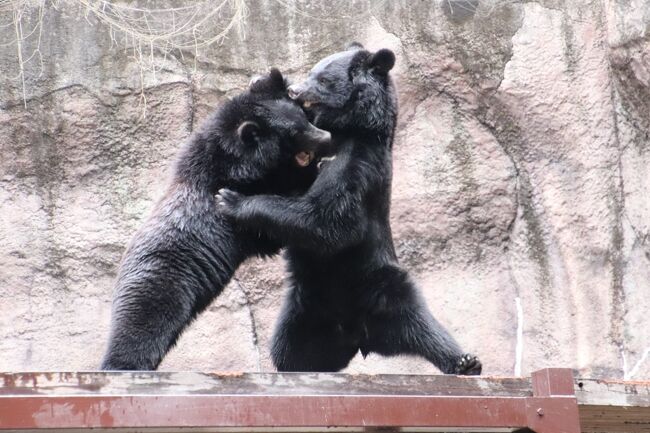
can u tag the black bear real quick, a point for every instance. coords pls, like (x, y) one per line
(186, 251)
(347, 292)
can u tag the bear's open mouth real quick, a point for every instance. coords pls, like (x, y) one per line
(303, 159)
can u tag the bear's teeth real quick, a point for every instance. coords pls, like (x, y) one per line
(303, 159)
(306, 104)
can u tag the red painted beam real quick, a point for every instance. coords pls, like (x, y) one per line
(542, 413)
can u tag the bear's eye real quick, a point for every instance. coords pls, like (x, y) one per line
(322, 80)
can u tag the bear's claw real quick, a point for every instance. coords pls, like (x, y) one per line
(228, 200)
(468, 365)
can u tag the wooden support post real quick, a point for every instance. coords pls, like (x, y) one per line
(553, 407)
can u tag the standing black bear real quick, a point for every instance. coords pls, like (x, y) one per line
(186, 252)
(347, 291)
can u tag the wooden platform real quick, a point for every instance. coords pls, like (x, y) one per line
(613, 406)
(551, 401)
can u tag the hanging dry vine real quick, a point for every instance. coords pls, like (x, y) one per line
(148, 32)
(144, 31)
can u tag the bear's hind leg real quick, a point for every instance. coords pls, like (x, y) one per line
(135, 350)
(303, 343)
(145, 327)
(400, 322)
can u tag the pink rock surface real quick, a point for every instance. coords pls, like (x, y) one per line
(520, 191)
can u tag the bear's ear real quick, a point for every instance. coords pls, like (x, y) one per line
(247, 131)
(277, 80)
(382, 61)
(271, 82)
(353, 46)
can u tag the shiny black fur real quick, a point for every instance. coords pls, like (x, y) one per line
(186, 252)
(347, 292)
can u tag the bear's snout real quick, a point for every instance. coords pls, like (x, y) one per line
(294, 91)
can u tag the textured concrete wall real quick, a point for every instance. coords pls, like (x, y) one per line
(520, 197)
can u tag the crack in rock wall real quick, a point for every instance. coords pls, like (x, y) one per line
(520, 193)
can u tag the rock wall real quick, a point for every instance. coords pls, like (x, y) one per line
(520, 195)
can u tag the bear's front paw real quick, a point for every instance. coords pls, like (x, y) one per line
(228, 201)
(468, 365)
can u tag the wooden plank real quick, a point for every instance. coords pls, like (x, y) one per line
(244, 411)
(613, 406)
(601, 392)
(614, 419)
(163, 383)
(610, 406)
(267, 402)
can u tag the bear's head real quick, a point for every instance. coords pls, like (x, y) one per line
(275, 127)
(350, 90)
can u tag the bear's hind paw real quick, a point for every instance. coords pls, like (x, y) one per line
(468, 365)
